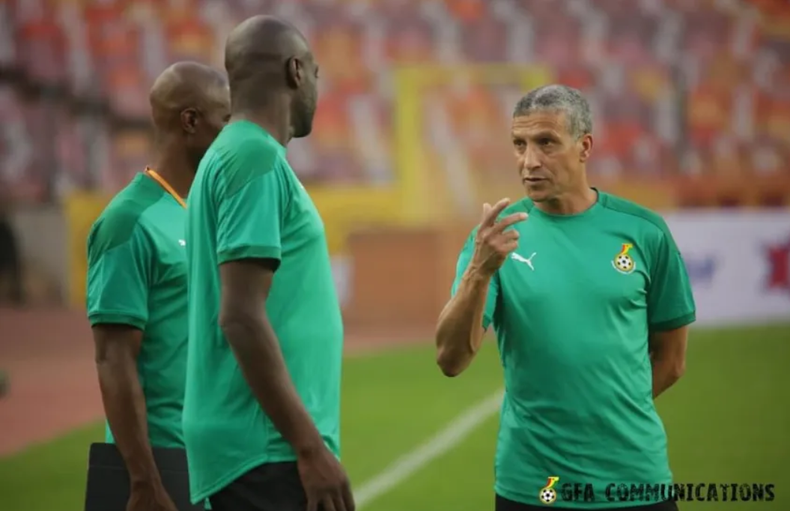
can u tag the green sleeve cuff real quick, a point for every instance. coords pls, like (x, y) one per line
(248, 252)
(116, 318)
(486, 321)
(672, 324)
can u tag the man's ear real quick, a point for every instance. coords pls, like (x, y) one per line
(189, 120)
(294, 72)
(587, 144)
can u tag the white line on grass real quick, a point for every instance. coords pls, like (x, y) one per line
(453, 434)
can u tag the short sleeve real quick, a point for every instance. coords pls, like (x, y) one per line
(119, 273)
(493, 289)
(670, 302)
(251, 205)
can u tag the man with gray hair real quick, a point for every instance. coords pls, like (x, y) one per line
(591, 303)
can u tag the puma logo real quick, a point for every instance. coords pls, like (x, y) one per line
(521, 259)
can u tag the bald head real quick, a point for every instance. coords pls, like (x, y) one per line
(270, 67)
(262, 44)
(190, 104)
(184, 86)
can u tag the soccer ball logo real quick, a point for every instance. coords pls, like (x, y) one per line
(623, 262)
(548, 495)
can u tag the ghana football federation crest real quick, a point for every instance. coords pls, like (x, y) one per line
(548, 494)
(623, 262)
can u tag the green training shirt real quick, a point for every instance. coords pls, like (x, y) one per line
(572, 308)
(137, 276)
(247, 202)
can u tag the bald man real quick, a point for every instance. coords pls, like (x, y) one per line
(137, 280)
(262, 409)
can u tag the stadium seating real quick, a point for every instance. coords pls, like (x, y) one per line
(680, 88)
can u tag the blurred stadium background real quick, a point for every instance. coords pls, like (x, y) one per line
(692, 118)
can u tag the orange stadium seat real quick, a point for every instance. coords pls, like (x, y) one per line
(189, 38)
(709, 111)
(331, 121)
(467, 10)
(129, 96)
(338, 50)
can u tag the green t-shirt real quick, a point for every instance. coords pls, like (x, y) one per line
(572, 308)
(137, 276)
(246, 202)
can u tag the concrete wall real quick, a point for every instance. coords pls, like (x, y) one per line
(41, 232)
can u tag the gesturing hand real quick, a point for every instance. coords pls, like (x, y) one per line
(492, 242)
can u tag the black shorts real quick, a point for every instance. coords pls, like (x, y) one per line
(107, 486)
(269, 487)
(503, 504)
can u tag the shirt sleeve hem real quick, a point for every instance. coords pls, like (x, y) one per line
(487, 320)
(116, 318)
(248, 252)
(672, 324)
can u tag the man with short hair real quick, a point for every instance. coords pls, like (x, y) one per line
(262, 410)
(591, 303)
(137, 281)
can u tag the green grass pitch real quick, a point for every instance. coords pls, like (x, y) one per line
(728, 420)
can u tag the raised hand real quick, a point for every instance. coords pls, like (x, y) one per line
(492, 242)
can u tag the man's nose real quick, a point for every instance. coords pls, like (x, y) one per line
(531, 160)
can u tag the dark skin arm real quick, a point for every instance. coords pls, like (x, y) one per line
(668, 357)
(245, 286)
(117, 349)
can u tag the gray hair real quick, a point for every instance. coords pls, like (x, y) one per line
(559, 98)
